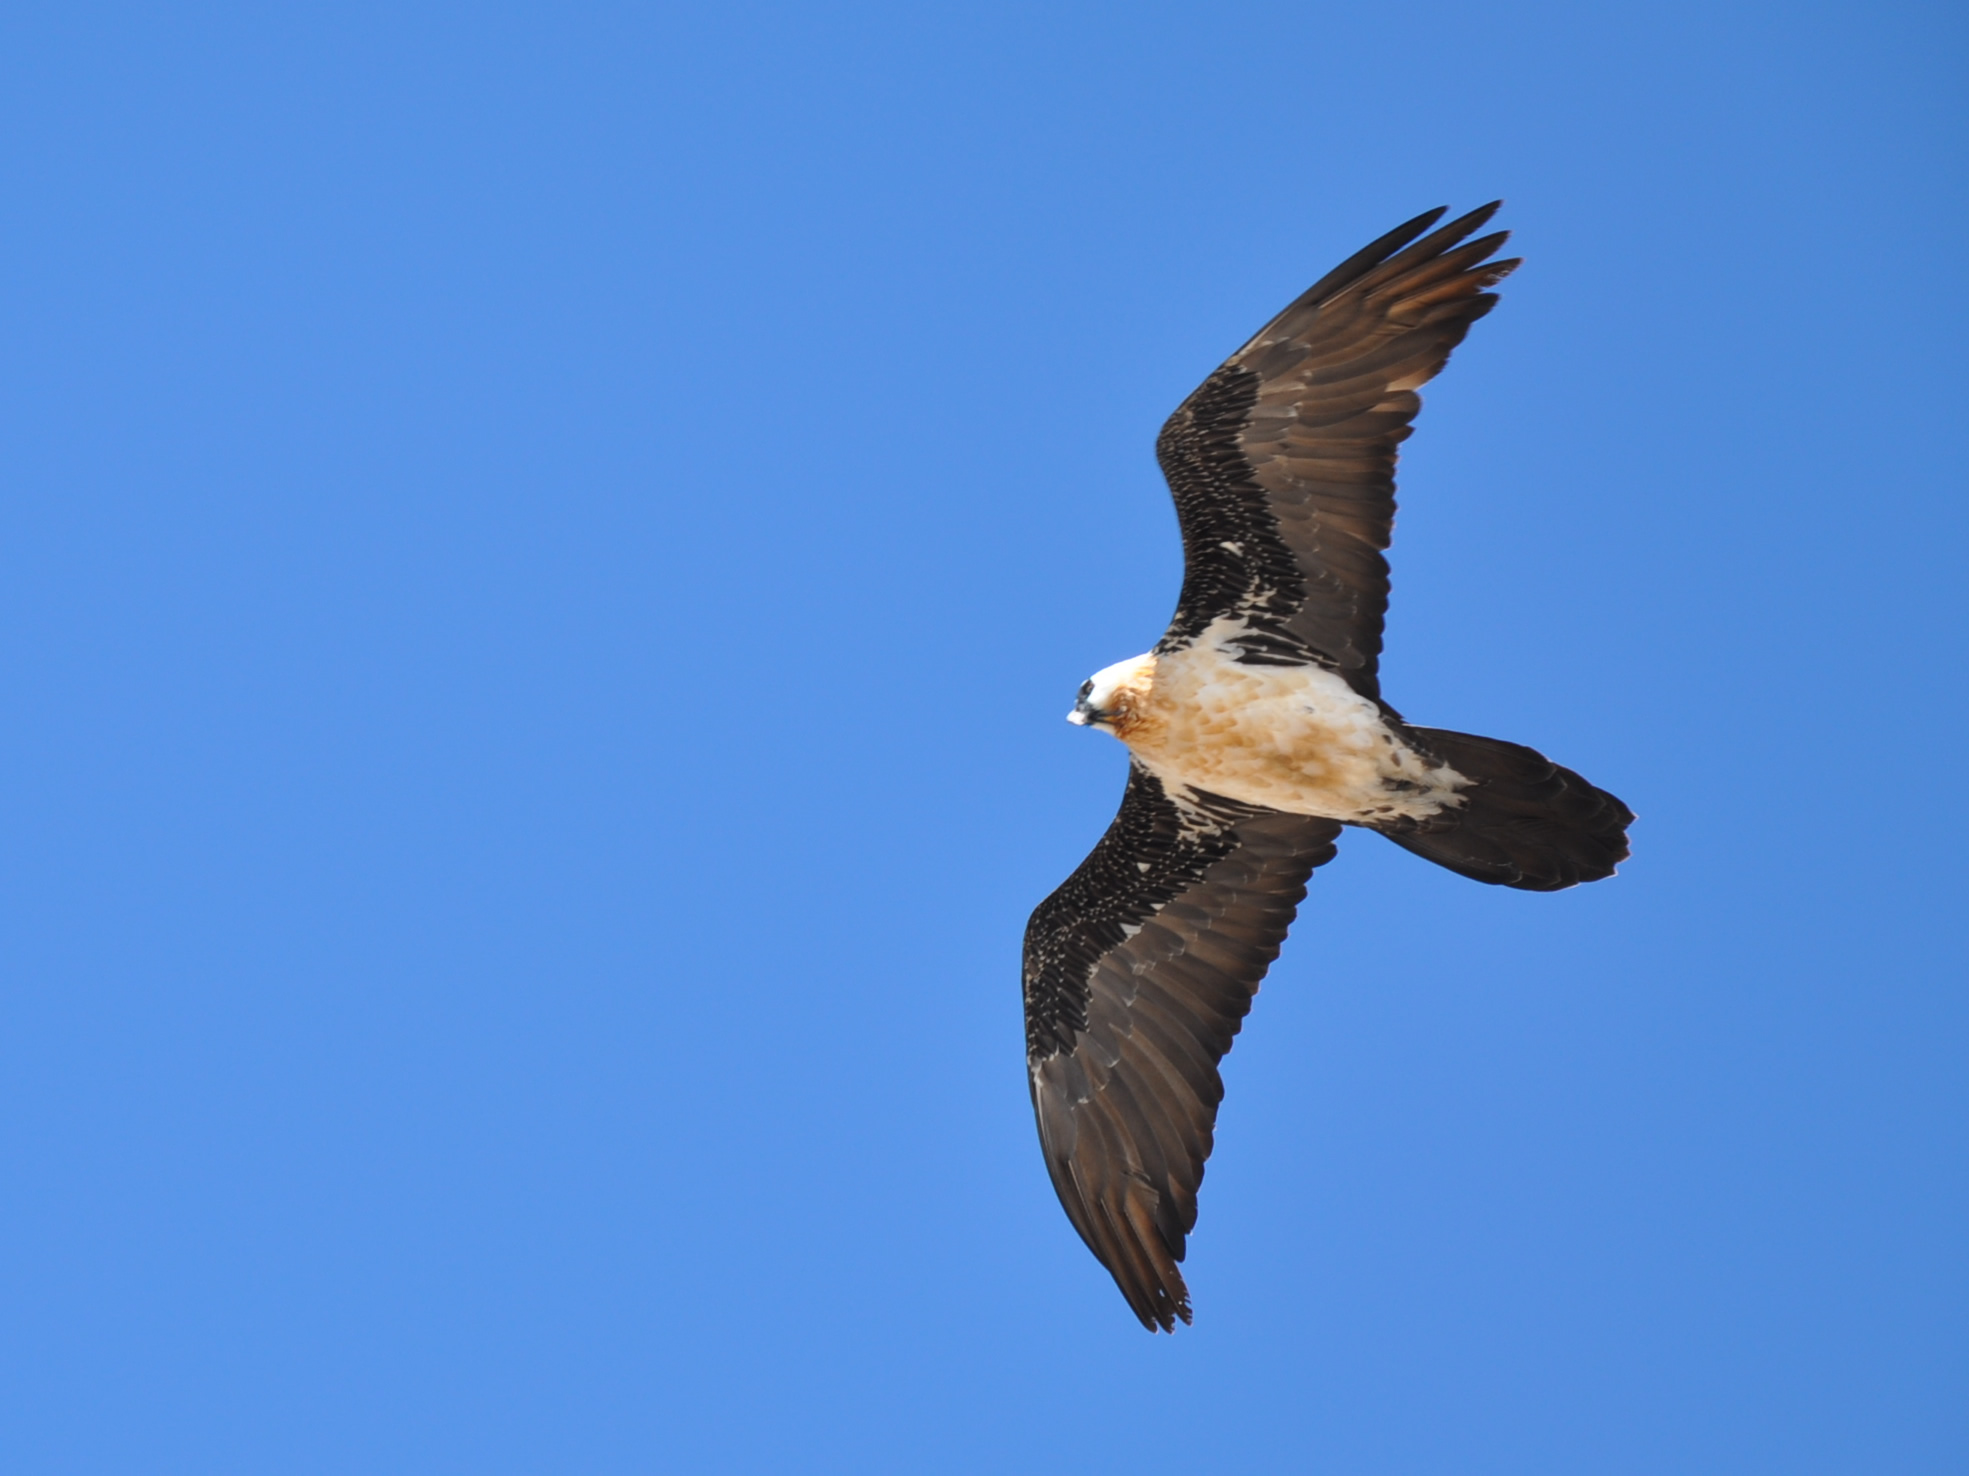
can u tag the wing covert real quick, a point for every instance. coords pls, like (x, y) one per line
(1139, 970)
(1282, 462)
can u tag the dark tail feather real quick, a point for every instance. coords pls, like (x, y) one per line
(1524, 822)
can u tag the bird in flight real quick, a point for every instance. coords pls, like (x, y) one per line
(1256, 729)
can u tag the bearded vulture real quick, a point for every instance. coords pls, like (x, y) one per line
(1256, 729)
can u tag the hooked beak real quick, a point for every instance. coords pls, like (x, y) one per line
(1086, 715)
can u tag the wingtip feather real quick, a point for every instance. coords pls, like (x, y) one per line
(1371, 256)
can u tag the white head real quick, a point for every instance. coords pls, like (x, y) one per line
(1114, 694)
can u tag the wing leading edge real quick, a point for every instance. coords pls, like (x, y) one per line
(1138, 972)
(1282, 462)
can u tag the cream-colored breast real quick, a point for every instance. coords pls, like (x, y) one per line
(1293, 738)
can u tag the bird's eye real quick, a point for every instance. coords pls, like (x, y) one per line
(1086, 686)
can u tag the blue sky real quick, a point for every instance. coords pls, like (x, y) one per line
(545, 553)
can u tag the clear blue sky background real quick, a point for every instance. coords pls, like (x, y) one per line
(545, 553)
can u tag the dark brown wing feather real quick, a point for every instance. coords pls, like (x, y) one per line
(1282, 463)
(1138, 972)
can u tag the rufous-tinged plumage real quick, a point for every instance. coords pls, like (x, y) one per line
(1256, 730)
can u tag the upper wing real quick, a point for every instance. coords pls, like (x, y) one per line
(1282, 463)
(1138, 972)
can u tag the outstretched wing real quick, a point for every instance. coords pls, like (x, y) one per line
(1138, 972)
(1282, 463)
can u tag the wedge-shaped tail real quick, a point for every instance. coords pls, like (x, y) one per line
(1525, 821)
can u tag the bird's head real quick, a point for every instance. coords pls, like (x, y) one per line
(1114, 697)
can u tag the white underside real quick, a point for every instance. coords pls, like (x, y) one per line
(1293, 738)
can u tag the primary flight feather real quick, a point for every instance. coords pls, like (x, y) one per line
(1256, 730)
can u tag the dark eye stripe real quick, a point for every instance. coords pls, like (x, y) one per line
(1086, 686)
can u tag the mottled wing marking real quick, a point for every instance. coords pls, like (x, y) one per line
(1138, 973)
(1282, 463)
